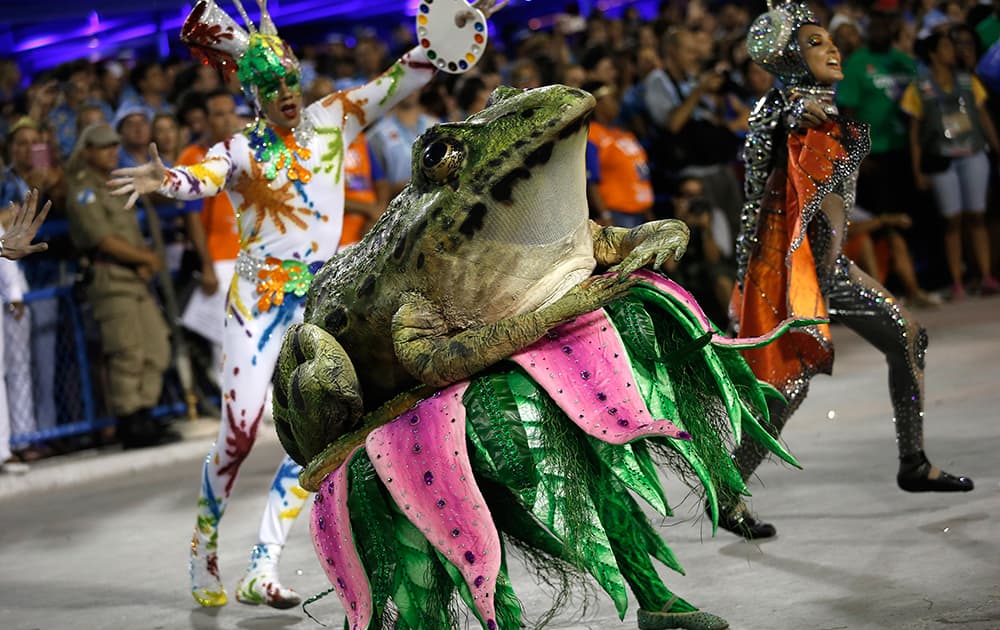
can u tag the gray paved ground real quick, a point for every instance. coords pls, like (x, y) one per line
(98, 540)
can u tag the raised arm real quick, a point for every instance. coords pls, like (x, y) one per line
(364, 105)
(204, 179)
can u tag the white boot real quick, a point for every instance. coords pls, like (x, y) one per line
(260, 584)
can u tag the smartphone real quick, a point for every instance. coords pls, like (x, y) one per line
(40, 156)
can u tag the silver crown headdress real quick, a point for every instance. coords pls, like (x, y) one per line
(773, 41)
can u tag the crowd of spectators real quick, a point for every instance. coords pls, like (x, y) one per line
(674, 93)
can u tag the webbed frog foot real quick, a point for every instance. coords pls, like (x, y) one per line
(317, 397)
(663, 241)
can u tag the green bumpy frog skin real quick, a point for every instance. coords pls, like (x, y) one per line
(487, 249)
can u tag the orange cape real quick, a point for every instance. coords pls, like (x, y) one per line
(781, 282)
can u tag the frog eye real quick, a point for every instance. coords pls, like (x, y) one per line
(442, 158)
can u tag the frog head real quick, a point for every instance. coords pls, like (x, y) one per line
(513, 173)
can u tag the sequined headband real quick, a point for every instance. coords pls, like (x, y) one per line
(773, 41)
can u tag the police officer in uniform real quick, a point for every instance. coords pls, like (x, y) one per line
(134, 336)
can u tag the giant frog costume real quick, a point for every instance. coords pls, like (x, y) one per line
(463, 382)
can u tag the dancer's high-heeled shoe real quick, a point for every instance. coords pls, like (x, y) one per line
(914, 476)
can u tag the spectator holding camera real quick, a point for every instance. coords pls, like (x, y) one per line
(30, 164)
(31, 167)
(683, 102)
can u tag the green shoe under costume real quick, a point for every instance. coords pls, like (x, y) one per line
(695, 620)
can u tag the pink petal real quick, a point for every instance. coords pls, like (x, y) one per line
(331, 533)
(584, 368)
(422, 460)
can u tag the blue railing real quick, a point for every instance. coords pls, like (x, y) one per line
(78, 399)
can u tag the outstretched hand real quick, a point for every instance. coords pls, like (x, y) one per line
(16, 241)
(138, 180)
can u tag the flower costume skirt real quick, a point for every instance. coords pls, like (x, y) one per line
(543, 453)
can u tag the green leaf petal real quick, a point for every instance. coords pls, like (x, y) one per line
(423, 588)
(691, 325)
(759, 433)
(560, 505)
(492, 414)
(623, 464)
(376, 545)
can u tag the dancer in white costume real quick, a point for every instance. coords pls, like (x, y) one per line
(284, 175)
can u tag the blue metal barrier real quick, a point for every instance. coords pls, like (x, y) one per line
(79, 405)
(73, 388)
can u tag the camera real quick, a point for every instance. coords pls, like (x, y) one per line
(725, 73)
(699, 206)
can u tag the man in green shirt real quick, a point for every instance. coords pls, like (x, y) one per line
(874, 79)
(988, 28)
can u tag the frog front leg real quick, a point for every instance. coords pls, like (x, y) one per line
(651, 244)
(317, 396)
(438, 356)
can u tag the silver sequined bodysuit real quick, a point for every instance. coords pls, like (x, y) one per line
(853, 298)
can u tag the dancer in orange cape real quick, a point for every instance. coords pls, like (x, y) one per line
(802, 159)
